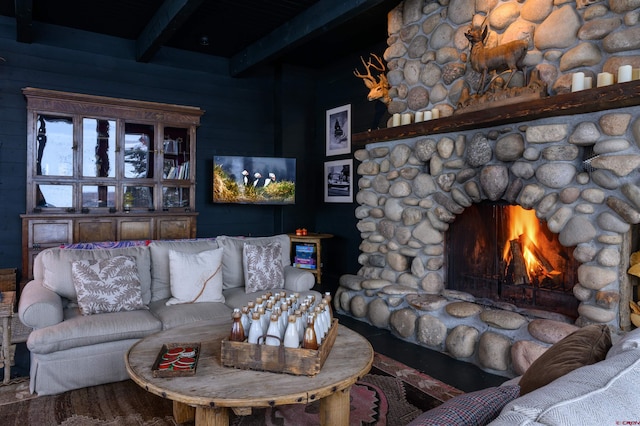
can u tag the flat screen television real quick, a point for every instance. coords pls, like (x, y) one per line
(254, 180)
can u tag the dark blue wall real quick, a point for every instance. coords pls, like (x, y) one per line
(274, 111)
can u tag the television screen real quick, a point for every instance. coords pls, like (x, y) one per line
(254, 180)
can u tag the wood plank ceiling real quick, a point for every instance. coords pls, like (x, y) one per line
(309, 33)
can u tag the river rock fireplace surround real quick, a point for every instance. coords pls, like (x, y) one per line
(572, 158)
(578, 173)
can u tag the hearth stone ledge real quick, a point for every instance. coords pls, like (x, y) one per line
(411, 190)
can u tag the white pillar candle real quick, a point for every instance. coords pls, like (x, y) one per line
(604, 79)
(427, 115)
(395, 121)
(624, 73)
(419, 116)
(435, 113)
(588, 82)
(635, 74)
(577, 81)
(406, 119)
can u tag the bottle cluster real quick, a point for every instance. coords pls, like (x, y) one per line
(276, 319)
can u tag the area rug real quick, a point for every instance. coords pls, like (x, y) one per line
(392, 394)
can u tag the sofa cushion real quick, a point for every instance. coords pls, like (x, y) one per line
(57, 262)
(629, 341)
(175, 315)
(79, 330)
(160, 277)
(469, 409)
(107, 285)
(195, 277)
(585, 346)
(232, 266)
(263, 268)
(604, 393)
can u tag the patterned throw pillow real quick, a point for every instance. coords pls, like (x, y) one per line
(470, 409)
(107, 285)
(195, 277)
(263, 268)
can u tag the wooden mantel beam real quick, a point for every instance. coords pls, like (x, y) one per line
(319, 18)
(585, 101)
(167, 20)
(24, 20)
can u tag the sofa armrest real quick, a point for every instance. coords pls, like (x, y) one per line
(39, 307)
(296, 279)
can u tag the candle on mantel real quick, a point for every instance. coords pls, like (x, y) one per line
(406, 119)
(395, 121)
(435, 113)
(624, 73)
(577, 81)
(635, 74)
(588, 82)
(604, 79)
(419, 116)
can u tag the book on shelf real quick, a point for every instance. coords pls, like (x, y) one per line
(305, 256)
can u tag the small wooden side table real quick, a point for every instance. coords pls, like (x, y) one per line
(6, 313)
(311, 238)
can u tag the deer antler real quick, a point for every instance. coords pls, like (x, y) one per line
(377, 89)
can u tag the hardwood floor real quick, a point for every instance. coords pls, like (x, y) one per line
(462, 375)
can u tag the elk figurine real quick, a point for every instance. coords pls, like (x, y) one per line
(377, 89)
(484, 59)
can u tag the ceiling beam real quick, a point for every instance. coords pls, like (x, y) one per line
(317, 19)
(24, 20)
(171, 15)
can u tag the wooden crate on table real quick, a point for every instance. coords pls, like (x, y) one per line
(278, 359)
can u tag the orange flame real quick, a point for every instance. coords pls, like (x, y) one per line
(522, 222)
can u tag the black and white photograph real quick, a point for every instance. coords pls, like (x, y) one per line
(338, 131)
(338, 181)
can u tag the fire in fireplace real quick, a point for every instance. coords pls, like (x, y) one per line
(504, 253)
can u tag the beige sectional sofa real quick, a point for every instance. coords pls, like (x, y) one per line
(78, 340)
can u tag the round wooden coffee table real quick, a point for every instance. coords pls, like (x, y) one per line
(206, 396)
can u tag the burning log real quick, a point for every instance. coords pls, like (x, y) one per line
(548, 268)
(518, 264)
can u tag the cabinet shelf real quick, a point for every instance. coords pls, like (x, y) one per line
(585, 101)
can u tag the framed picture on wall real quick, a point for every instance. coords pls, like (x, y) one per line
(338, 178)
(338, 130)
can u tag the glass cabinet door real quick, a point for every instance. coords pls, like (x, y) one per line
(176, 149)
(98, 148)
(54, 146)
(138, 151)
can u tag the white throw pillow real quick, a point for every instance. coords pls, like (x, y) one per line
(263, 268)
(195, 277)
(107, 285)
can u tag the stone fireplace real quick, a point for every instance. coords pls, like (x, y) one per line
(570, 160)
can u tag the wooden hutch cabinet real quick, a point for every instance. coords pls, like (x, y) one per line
(106, 169)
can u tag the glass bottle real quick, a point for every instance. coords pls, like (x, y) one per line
(245, 318)
(328, 298)
(319, 324)
(299, 324)
(255, 331)
(237, 332)
(264, 320)
(291, 339)
(310, 341)
(273, 332)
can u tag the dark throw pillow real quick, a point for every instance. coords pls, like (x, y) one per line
(470, 409)
(585, 346)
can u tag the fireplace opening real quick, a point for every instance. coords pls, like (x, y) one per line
(504, 253)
